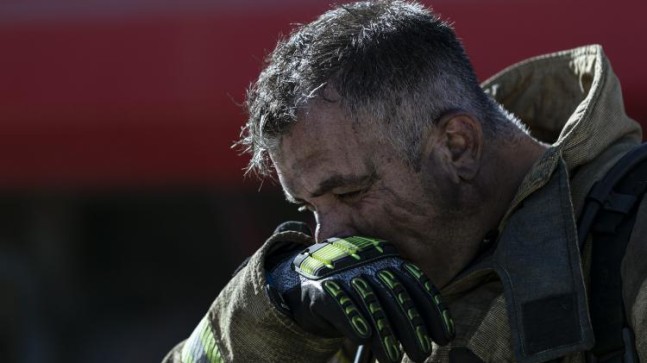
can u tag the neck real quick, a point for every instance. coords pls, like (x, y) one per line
(504, 167)
(503, 176)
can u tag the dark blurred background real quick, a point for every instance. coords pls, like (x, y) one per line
(123, 209)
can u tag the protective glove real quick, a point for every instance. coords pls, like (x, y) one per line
(360, 288)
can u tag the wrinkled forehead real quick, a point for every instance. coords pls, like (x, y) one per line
(322, 130)
(323, 142)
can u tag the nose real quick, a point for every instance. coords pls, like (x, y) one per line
(333, 224)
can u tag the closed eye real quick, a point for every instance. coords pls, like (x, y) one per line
(350, 196)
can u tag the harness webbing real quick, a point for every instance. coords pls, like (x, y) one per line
(608, 216)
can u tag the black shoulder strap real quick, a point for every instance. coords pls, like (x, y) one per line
(608, 216)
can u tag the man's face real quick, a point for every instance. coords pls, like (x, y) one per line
(357, 184)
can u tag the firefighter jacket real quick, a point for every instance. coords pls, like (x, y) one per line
(526, 301)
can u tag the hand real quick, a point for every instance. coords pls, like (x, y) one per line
(360, 288)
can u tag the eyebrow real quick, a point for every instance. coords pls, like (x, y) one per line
(335, 181)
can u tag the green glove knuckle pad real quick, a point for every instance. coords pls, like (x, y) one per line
(337, 254)
(378, 297)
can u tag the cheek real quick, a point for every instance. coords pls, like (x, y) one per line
(439, 190)
(392, 216)
(406, 221)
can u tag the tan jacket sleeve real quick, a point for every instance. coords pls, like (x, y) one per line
(242, 325)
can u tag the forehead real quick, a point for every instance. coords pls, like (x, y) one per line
(323, 142)
(322, 129)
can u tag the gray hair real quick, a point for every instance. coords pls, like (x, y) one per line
(392, 63)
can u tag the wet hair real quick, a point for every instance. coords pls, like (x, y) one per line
(394, 65)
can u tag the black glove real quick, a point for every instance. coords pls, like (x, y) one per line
(360, 288)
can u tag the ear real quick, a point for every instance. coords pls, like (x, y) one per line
(459, 138)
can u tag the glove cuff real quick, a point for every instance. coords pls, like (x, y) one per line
(283, 244)
(278, 266)
(249, 329)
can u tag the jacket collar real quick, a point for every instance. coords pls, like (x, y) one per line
(570, 100)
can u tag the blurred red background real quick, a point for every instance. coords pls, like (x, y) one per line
(148, 93)
(123, 209)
